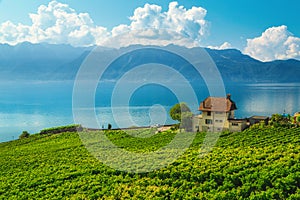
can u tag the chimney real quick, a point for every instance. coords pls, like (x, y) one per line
(229, 96)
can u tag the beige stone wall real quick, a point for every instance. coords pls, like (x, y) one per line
(219, 121)
(238, 127)
(196, 123)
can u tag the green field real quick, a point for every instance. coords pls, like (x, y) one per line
(262, 163)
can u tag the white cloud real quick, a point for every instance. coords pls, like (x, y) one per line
(225, 45)
(274, 43)
(58, 23)
(177, 25)
(55, 23)
(9, 33)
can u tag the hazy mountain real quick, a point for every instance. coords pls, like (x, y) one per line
(237, 67)
(35, 61)
(61, 62)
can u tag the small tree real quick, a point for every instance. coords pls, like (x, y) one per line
(109, 126)
(182, 113)
(177, 109)
(278, 120)
(24, 134)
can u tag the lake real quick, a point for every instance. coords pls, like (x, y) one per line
(35, 105)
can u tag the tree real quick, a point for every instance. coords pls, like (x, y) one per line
(178, 109)
(278, 120)
(24, 134)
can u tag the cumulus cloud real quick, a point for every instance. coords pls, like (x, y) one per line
(58, 23)
(225, 45)
(178, 25)
(274, 43)
(55, 23)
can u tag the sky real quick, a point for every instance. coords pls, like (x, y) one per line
(265, 30)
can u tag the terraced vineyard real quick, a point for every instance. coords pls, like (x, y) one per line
(262, 163)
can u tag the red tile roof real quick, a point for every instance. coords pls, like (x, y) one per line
(217, 104)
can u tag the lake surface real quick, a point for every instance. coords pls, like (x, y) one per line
(33, 106)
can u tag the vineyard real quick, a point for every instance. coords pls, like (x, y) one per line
(260, 163)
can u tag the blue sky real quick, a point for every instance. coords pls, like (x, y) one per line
(227, 23)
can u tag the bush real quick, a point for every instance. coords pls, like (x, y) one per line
(62, 129)
(278, 120)
(175, 127)
(24, 134)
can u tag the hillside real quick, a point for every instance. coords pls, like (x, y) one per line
(28, 61)
(35, 61)
(236, 67)
(254, 164)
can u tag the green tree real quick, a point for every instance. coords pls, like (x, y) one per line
(24, 134)
(182, 113)
(278, 120)
(177, 109)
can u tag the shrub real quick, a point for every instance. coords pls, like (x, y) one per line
(24, 134)
(175, 127)
(278, 120)
(62, 129)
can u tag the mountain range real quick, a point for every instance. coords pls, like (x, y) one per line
(28, 61)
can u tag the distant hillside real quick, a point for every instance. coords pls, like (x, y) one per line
(35, 61)
(61, 62)
(236, 67)
(262, 163)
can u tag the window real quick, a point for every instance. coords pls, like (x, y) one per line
(208, 113)
(208, 121)
(219, 120)
(235, 124)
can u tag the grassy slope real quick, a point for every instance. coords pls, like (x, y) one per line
(255, 164)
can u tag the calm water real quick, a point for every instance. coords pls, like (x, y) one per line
(32, 106)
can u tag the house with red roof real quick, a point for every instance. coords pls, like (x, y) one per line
(218, 115)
